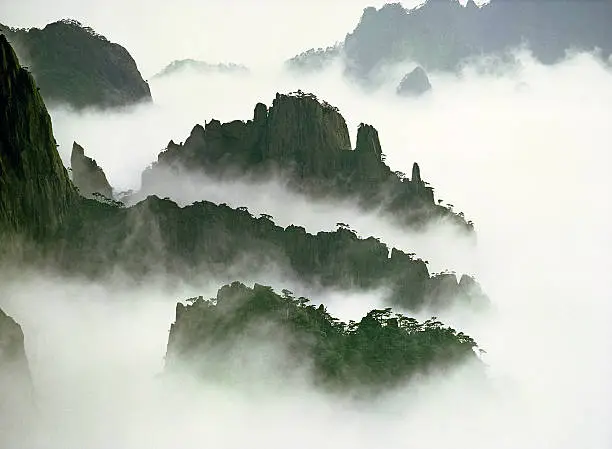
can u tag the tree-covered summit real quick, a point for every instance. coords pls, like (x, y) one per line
(382, 350)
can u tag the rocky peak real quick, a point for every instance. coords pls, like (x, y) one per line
(414, 83)
(87, 176)
(303, 130)
(367, 140)
(35, 190)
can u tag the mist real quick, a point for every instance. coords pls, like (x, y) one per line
(525, 154)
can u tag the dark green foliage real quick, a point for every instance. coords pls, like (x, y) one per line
(381, 350)
(308, 141)
(156, 234)
(72, 64)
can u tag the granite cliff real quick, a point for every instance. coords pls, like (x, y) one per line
(74, 65)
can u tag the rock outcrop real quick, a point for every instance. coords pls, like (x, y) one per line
(16, 389)
(87, 176)
(74, 65)
(442, 34)
(308, 142)
(378, 352)
(414, 83)
(35, 192)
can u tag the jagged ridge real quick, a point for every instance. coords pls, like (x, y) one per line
(308, 141)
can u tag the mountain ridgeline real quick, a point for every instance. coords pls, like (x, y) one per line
(87, 237)
(74, 65)
(442, 34)
(380, 351)
(307, 141)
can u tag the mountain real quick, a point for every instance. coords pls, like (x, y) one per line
(201, 67)
(442, 34)
(87, 176)
(307, 141)
(74, 65)
(79, 236)
(378, 352)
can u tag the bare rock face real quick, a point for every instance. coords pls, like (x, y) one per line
(35, 190)
(87, 176)
(15, 381)
(414, 83)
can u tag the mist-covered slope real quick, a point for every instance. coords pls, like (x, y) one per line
(91, 238)
(440, 34)
(380, 351)
(307, 142)
(73, 65)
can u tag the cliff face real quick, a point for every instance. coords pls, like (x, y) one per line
(440, 34)
(15, 381)
(35, 191)
(308, 141)
(87, 176)
(74, 65)
(378, 352)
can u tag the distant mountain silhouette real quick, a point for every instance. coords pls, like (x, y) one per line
(441, 34)
(74, 65)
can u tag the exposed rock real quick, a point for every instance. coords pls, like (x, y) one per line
(414, 83)
(201, 67)
(442, 34)
(16, 390)
(308, 141)
(35, 191)
(378, 352)
(87, 176)
(74, 65)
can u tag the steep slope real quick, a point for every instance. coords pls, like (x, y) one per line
(15, 380)
(379, 352)
(440, 34)
(308, 142)
(74, 65)
(87, 176)
(35, 191)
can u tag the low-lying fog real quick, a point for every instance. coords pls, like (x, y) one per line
(525, 155)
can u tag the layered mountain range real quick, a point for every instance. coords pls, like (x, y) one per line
(47, 222)
(443, 34)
